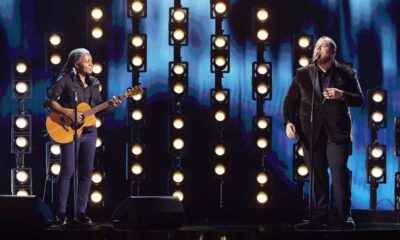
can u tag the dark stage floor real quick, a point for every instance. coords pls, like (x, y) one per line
(106, 231)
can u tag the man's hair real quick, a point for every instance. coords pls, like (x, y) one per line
(331, 42)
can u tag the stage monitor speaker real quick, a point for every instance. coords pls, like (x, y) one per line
(28, 211)
(149, 212)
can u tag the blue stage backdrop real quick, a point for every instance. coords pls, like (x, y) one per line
(366, 32)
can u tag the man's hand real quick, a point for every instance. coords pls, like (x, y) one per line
(333, 93)
(290, 130)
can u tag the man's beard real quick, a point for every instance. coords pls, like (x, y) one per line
(323, 60)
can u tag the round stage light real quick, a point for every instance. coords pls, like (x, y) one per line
(137, 7)
(302, 170)
(178, 123)
(262, 178)
(97, 177)
(21, 67)
(99, 142)
(136, 149)
(179, 15)
(220, 169)
(304, 42)
(55, 59)
(262, 123)
(21, 123)
(220, 8)
(96, 197)
(22, 193)
(97, 14)
(220, 96)
(304, 61)
(300, 151)
(136, 169)
(377, 117)
(137, 97)
(21, 87)
(220, 116)
(178, 177)
(55, 149)
(262, 34)
(178, 143)
(97, 32)
(22, 176)
(99, 122)
(55, 39)
(220, 42)
(220, 61)
(100, 87)
(262, 88)
(378, 97)
(55, 169)
(377, 152)
(97, 68)
(137, 61)
(178, 69)
(178, 34)
(219, 150)
(178, 88)
(262, 69)
(376, 172)
(262, 15)
(262, 197)
(21, 142)
(179, 195)
(262, 142)
(137, 41)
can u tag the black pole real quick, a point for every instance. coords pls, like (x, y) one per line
(373, 195)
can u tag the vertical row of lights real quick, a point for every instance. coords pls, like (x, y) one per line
(261, 91)
(302, 51)
(220, 96)
(376, 152)
(397, 153)
(21, 129)
(54, 50)
(96, 42)
(178, 72)
(137, 63)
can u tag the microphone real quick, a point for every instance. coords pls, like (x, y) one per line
(316, 58)
(73, 71)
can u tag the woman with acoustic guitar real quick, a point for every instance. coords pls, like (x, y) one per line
(75, 81)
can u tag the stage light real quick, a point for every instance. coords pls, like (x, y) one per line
(262, 15)
(179, 15)
(97, 33)
(220, 169)
(178, 123)
(137, 97)
(97, 14)
(220, 61)
(178, 69)
(219, 150)
(22, 177)
(137, 115)
(55, 149)
(99, 122)
(21, 67)
(220, 96)
(262, 178)
(377, 117)
(376, 163)
(21, 87)
(300, 151)
(304, 42)
(220, 116)
(137, 61)
(377, 108)
(179, 34)
(179, 88)
(220, 42)
(99, 142)
(378, 97)
(55, 169)
(262, 142)
(179, 195)
(55, 59)
(302, 50)
(178, 26)
(137, 7)
(21, 142)
(262, 123)
(304, 61)
(100, 87)
(220, 53)
(137, 41)
(220, 105)
(261, 80)
(302, 170)
(97, 68)
(376, 152)
(220, 8)
(22, 193)
(55, 39)
(178, 143)
(137, 149)
(376, 172)
(262, 88)
(262, 35)
(21, 123)
(97, 177)
(262, 69)
(178, 177)
(136, 169)
(96, 197)
(262, 197)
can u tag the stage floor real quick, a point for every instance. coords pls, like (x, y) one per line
(106, 231)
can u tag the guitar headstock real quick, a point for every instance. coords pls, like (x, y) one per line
(136, 90)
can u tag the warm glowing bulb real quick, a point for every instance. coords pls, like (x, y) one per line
(21, 122)
(97, 14)
(55, 149)
(99, 142)
(179, 34)
(219, 150)
(377, 117)
(377, 152)
(262, 34)
(376, 172)
(21, 87)
(220, 42)
(300, 151)
(262, 197)
(302, 170)
(178, 69)
(178, 143)
(178, 177)
(137, 6)
(98, 122)
(137, 169)
(220, 8)
(178, 123)
(137, 149)
(55, 59)
(262, 178)
(220, 61)
(55, 39)
(96, 197)
(220, 96)
(137, 61)
(220, 116)
(137, 115)
(97, 177)
(179, 195)
(97, 32)
(262, 142)
(97, 68)
(304, 61)
(55, 169)
(137, 41)
(262, 88)
(179, 15)
(262, 15)
(22, 176)
(22, 192)
(262, 123)
(220, 169)
(304, 42)
(262, 69)
(21, 142)
(179, 88)
(378, 97)
(21, 67)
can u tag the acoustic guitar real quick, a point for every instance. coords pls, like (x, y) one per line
(60, 128)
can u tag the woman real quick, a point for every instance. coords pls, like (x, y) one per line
(75, 81)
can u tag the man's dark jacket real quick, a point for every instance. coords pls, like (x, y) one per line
(334, 114)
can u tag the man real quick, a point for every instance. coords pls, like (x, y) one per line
(336, 89)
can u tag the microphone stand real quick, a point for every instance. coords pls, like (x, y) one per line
(75, 126)
(309, 224)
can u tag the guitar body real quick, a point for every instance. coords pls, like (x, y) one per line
(60, 128)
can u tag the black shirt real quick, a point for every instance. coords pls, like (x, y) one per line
(63, 91)
(325, 82)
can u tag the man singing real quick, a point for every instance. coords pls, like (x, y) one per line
(336, 89)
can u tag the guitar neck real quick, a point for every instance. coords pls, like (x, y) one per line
(103, 106)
